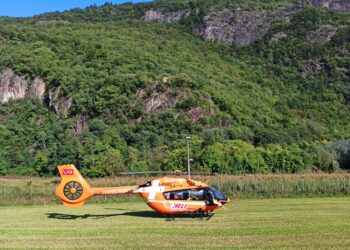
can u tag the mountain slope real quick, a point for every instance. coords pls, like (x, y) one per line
(122, 91)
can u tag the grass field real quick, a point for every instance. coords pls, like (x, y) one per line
(309, 223)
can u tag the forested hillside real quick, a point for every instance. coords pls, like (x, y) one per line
(261, 86)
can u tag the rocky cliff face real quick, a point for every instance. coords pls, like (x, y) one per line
(37, 89)
(241, 27)
(244, 27)
(158, 100)
(167, 17)
(81, 124)
(60, 104)
(341, 5)
(14, 87)
(313, 68)
(196, 113)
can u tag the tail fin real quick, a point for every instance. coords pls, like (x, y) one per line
(73, 190)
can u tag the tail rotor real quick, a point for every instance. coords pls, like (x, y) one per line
(73, 190)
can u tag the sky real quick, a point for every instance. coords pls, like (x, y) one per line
(26, 8)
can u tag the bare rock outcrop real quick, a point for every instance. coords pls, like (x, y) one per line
(197, 113)
(242, 27)
(61, 105)
(37, 89)
(313, 68)
(155, 99)
(81, 124)
(340, 5)
(323, 34)
(12, 87)
(168, 17)
(230, 27)
(217, 27)
(160, 101)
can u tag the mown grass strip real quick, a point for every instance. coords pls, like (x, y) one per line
(309, 223)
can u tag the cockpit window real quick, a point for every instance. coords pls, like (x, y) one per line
(187, 194)
(177, 195)
(217, 195)
(199, 194)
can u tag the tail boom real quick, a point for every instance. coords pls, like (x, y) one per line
(114, 190)
(73, 190)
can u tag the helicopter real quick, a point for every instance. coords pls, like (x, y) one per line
(168, 195)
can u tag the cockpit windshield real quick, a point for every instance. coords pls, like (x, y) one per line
(217, 195)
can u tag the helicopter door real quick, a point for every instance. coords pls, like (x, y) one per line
(209, 198)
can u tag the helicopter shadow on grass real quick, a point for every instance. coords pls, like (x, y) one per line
(146, 214)
(152, 214)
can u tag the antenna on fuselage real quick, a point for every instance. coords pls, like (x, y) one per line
(188, 138)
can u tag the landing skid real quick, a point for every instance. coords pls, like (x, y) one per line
(199, 215)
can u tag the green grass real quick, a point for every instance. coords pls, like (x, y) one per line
(313, 223)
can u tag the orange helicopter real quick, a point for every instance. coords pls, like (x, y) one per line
(169, 195)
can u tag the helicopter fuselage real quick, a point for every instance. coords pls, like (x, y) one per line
(169, 195)
(166, 195)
